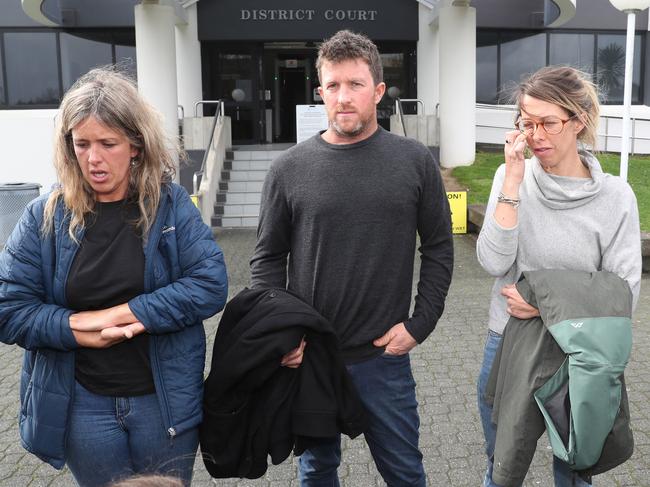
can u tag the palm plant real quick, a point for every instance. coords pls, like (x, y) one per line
(611, 68)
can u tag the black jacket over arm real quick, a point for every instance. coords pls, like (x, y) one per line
(253, 407)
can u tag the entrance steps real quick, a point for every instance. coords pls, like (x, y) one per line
(240, 187)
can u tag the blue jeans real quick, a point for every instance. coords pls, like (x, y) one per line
(562, 473)
(387, 389)
(110, 438)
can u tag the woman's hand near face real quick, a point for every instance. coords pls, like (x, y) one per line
(504, 213)
(513, 151)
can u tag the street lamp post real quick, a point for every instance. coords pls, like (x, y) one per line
(630, 7)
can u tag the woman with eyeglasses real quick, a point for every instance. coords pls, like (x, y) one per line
(556, 210)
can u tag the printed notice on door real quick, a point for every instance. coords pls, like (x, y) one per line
(310, 119)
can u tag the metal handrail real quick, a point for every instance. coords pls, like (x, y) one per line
(506, 108)
(617, 136)
(205, 102)
(600, 134)
(606, 118)
(500, 127)
(398, 111)
(217, 117)
(420, 102)
(633, 137)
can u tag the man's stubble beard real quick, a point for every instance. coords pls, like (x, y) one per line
(359, 128)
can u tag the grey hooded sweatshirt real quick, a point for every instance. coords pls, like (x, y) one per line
(583, 224)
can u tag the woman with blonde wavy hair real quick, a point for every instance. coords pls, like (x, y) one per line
(105, 282)
(547, 212)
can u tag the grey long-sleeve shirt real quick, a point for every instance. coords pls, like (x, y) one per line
(584, 224)
(345, 218)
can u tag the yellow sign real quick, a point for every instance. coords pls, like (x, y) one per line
(458, 206)
(195, 199)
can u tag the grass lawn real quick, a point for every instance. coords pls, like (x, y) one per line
(477, 178)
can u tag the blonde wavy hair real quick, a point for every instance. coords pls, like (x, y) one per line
(111, 97)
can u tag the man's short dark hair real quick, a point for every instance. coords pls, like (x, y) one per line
(346, 45)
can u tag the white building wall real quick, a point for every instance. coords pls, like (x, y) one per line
(155, 41)
(27, 154)
(188, 64)
(427, 59)
(457, 50)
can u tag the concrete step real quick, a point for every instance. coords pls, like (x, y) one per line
(235, 198)
(245, 165)
(235, 221)
(243, 175)
(238, 199)
(253, 155)
(237, 210)
(241, 186)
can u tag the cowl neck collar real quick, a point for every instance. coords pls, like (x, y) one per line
(562, 192)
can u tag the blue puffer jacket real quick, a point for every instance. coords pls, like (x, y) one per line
(185, 283)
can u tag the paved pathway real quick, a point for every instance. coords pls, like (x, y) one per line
(445, 368)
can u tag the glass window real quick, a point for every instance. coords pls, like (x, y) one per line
(78, 56)
(393, 64)
(236, 76)
(395, 80)
(610, 65)
(520, 56)
(32, 70)
(486, 67)
(575, 50)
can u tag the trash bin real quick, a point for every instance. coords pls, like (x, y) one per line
(13, 200)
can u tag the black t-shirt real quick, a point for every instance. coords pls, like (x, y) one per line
(109, 270)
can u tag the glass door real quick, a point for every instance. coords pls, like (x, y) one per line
(290, 79)
(398, 61)
(234, 76)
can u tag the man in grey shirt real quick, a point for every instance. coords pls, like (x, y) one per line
(338, 225)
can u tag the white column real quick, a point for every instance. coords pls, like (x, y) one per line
(427, 56)
(457, 40)
(627, 94)
(188, 63)
(155, 44)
